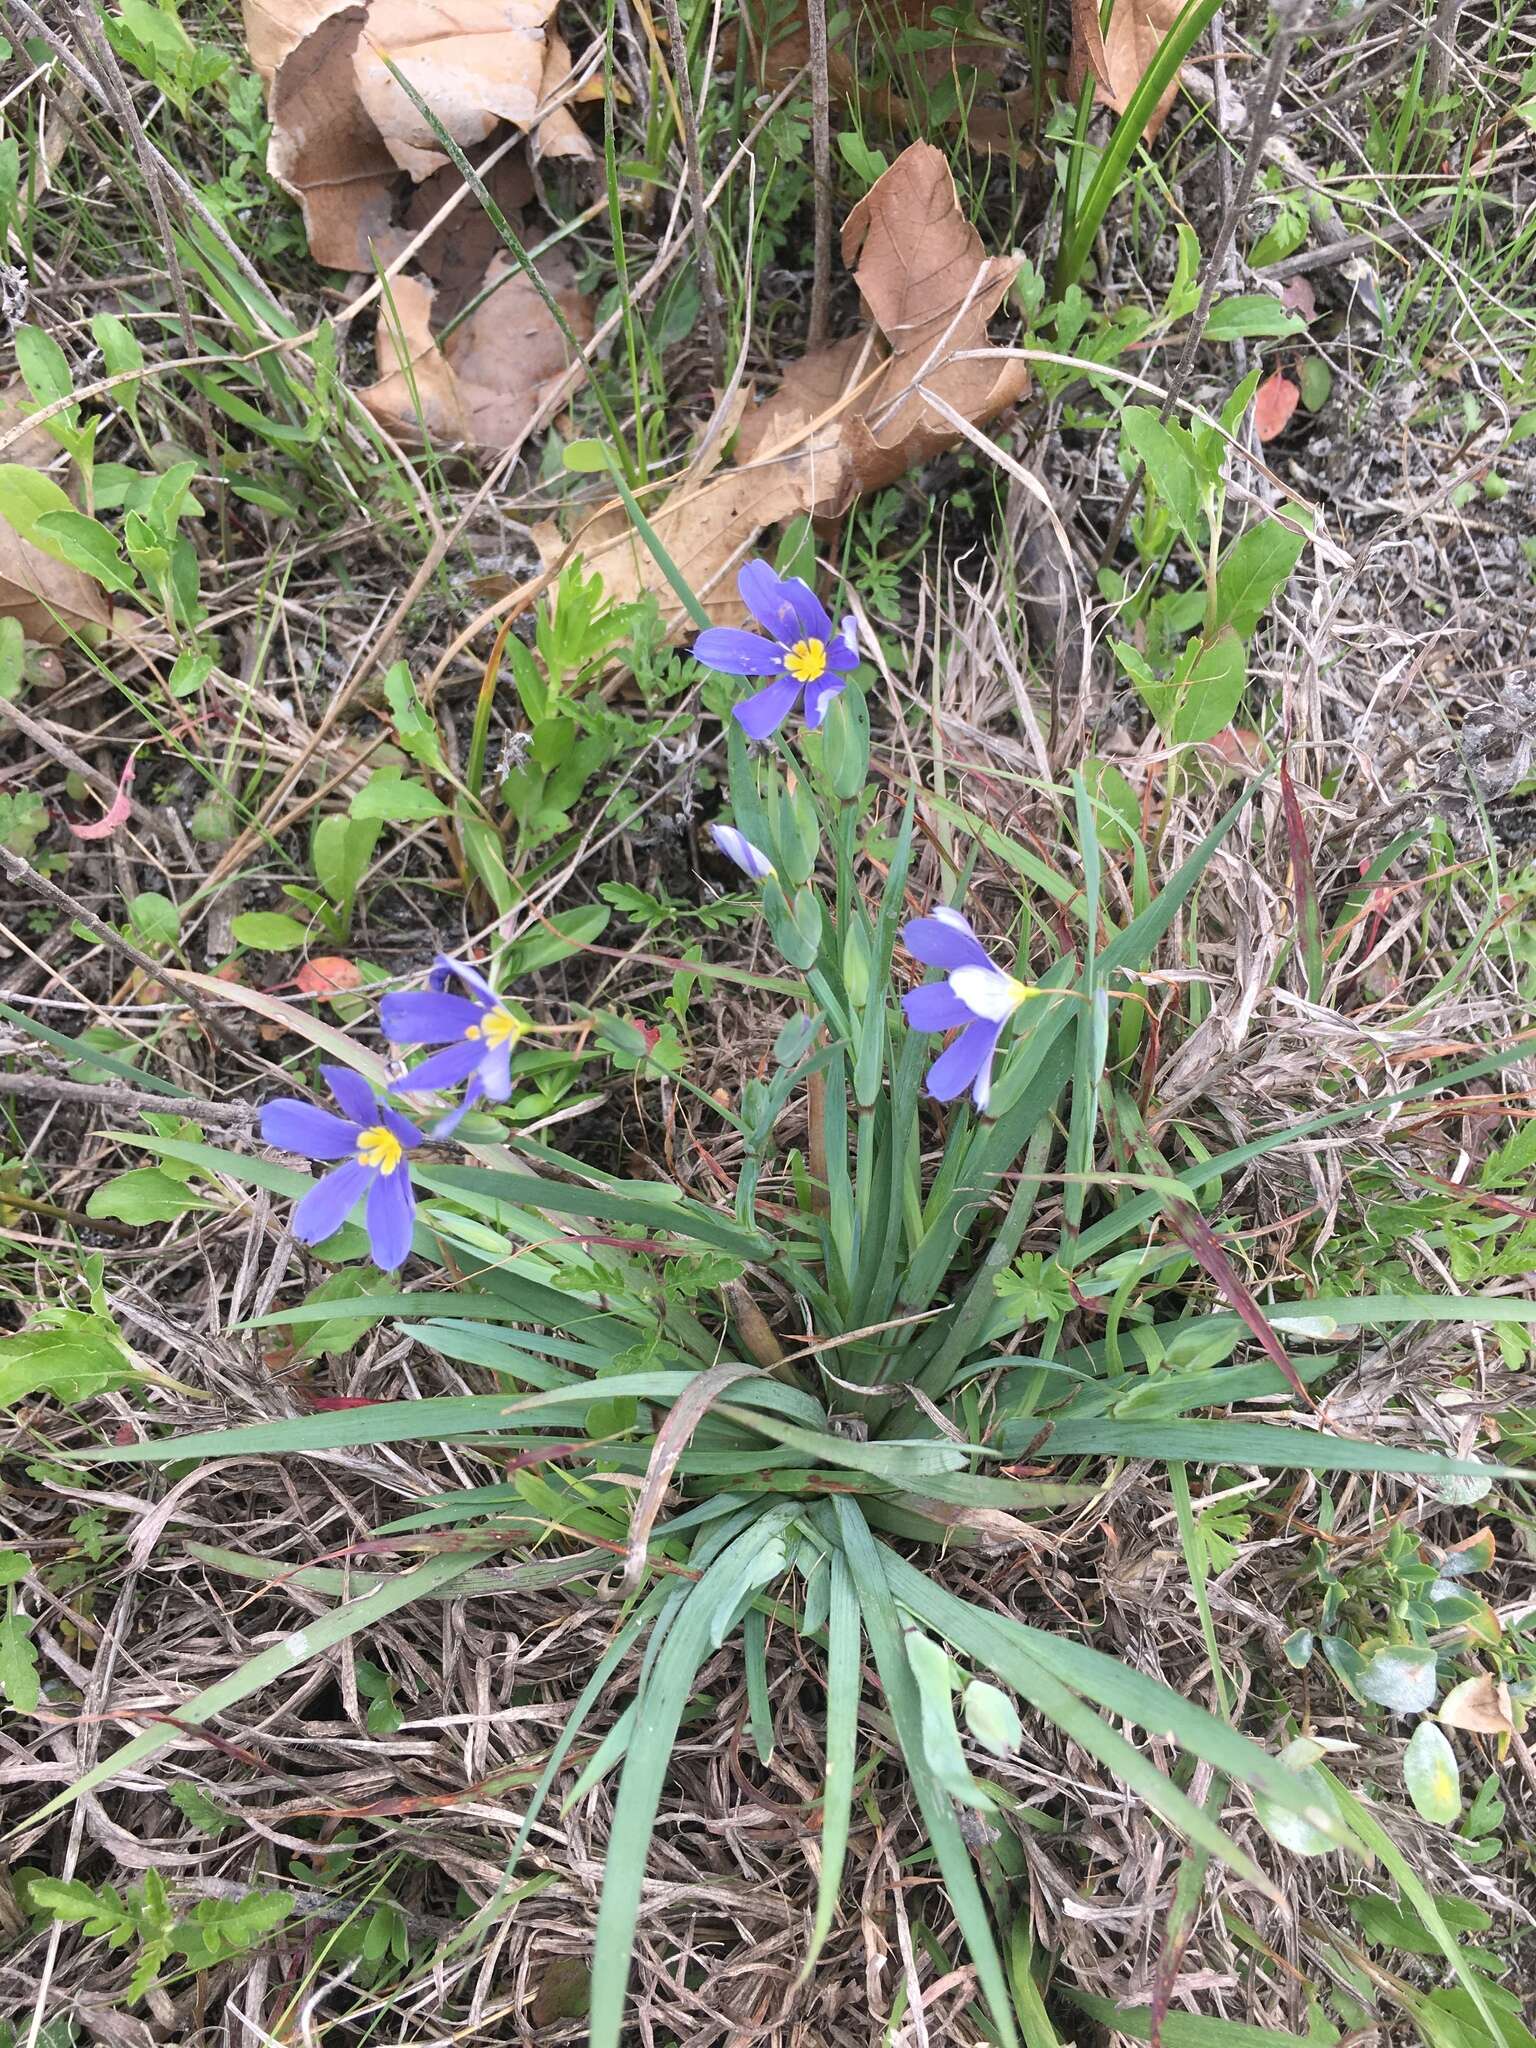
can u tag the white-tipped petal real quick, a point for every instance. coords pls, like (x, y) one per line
(987, 992)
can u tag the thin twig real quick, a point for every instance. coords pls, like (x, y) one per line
(709, 281)
(821, 173)
(44, 736)
(109, 1095)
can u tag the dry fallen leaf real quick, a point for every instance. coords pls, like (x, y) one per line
(1273, 403)
(557, 133)
(457, 256)
(343, 127)
(846, 419)
(473, 62)
(484, 386)
(50, 598)
(1480, 1705)
(328, 974)
(1119, 57)
(325, 150)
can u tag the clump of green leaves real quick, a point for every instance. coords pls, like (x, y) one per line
(144, 1918)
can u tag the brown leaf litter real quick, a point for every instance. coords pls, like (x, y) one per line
(50, 597)
(343, 128)
(483, 387)
(846, 419)
(1120, 56)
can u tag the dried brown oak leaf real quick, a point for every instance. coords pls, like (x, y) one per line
(845, 419)
(325, 150)
(474, 63)
(483, 387)
(1119, 56)
(343, 128)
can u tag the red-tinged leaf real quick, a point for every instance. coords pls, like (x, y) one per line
(328, 975)
(1309, 918)
(1192, 1230)
(332, 1404)
(116, 811)
(1297, 296)
(124, 1434)
(1273, 403)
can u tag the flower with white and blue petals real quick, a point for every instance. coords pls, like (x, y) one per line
(975, 995)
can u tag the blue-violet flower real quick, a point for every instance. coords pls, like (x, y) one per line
(800, 654)
(975, 994)
(738, 847)
(476, 1030)
(371, 1141)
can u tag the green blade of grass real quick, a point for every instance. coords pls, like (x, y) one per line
(658, 1713)
(882, 1625)
(841, 1747)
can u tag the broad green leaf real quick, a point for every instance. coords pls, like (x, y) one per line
(18, 1663)
(1255, 570)
(269, 931)
(1172, 468)
(154, 919)
(553, 939)
(1401, 1678)
(396, 801)
(143, 1196)
(69, 536)
(1432, 1775)
(1312, 1833)
(992, 1717)
(120, 354)
(1250, 318)
(78, 1356)
(43, 365)
(1201, 697)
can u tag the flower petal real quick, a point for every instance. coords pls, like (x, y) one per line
(426, 1018)
(447, 1125)
(390, 1218)
(353, 1093)
(399, 1126)
(935, 1008)
(445, 970)
(783, 605)
(445, 1069)
(496, 1071)
(763, 714)
(944, 939)
(738, 847)
(968, 1060)
(330, 1202)
(292, 1126)
(731, 652)
(819, 695)
(987, 992)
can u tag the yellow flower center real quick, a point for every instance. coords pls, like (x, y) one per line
(497, 1028)
(1019, 991)
(806, 661)
(378, 1146)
